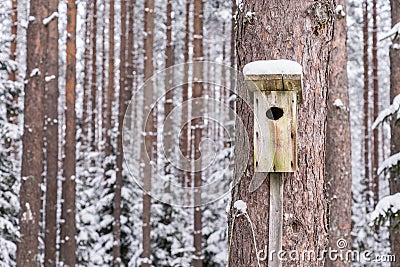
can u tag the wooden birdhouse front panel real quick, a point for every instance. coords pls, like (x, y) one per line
(275, 131)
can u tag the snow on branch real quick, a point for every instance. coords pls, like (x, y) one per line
(47, 20)
(386, 208)
(393, 32)
(388, 112)
(389, 163)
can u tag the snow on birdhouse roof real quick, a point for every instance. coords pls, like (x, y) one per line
(281, 66)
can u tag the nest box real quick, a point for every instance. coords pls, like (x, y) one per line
(275, 87)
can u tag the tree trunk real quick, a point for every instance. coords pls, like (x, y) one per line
(110, 90)
(294, 30)
(197, 129)
(93, 92)
(168, 105)
(147, 147)
(366, 109)
(375, 156)
(338, 143)
(32, 140)
(86, 77)
(68, 226)
(121, 113)
(233, 22)
(50, 235)
(103, 77)
(184, 139)
(394, 182)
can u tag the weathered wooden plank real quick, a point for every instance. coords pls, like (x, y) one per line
(275, 131)
(275, 218)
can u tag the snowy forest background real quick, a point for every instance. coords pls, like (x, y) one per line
(97, 164)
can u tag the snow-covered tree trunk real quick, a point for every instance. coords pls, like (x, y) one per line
(394, 54)
(68, 224)
(300, 31)
(51, 104)
(32, 154)
(338, 141)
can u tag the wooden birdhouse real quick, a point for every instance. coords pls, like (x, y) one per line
(275, 87)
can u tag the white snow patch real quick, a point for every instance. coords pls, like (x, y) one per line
(240, 205)
(339, 11)
(282, 66)
(49, 78)
(35, 72)
(32, 18)
(389, 203)
(389, 163)
(47, 20)
(250, 14)
(338, 103)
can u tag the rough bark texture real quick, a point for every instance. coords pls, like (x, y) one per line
(104, 76)
(32, 140)
(86, 75)
(68, 225)
(121, 112)
(375, 155)
(149, 129)
(394, 182)
(198, 55)
(93, 91)
(168, 104)
(184, 139)
(367, 172)
(291, 30)
(110, 89)
(338, 143)
(50, 233)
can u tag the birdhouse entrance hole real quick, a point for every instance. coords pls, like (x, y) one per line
(274, 113)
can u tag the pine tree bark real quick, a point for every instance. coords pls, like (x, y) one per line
(121, 113)
(86, 76)
(198, 54)
(32, 140)
(367, 172)
(291, 30)
(68, 225)
(93, 91)
(168, 104)
(147, 147)
(51, 104)
(338, 141)
(375, 155)
(184, 138)
(394, 182)
(103, 76)
(110, 89)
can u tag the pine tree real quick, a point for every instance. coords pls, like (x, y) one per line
(338, 141)
(68, 224)
(32, 154)
(304, 197)
(51, 104)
